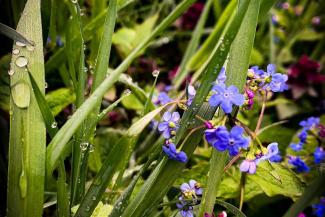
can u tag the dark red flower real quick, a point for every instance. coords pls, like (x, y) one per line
(191, 16)
(303, 75)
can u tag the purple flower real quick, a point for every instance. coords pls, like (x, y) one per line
(163, 98)
(226, 97)
(319, 209)
(173, 154)
(309, 123)
(191, 93)
(248, 166)
(223, 140)
(319, 155)
(278, 80)
(186, 210)
(170, 124)
(191, 189)
(303, 136)
(299, 164)
(296, 146)
(256, 73)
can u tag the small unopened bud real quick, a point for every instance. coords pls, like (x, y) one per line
(208, 124)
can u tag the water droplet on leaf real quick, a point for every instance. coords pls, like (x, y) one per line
(21, 94)
(11, 72)
(15, 51)
(21, 61)
(84, 146)
(127, 92)
(20, 44)
(54, 125)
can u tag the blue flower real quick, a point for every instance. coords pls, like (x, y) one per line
(319, 210)
(186, 210)
(163, 98)
(256, 73)
(226, 97)
(296, 146)
(303, 136)
(250, 165)
(299, 164)
(278, 80)
(272, 150)
(191, 93)
(191, 189)
(223, 140)
(222, 76)
(170, 124)
(319, 155)
(276, 158)
(309, 123)
(173, 154)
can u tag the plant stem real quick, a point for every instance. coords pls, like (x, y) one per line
(260, 118)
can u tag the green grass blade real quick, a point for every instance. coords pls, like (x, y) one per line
(237, 66)
(231, 208)
(27, 130)
(59, 143)
(47, 115)
(192, 46)
(167, 171)
(13, 34)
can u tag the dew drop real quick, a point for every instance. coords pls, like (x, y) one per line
(87, 208)
(46, 85)
(20, 44)
(21, 61)
(30, 47)
(91, 148)
(155, 73)
(54, 125)
(79, 181)
(15, 51)
(21, 94)
(84, 146)
(11, 72)
(127, 92)
(23, 184)
(74, 1)
(93, 198)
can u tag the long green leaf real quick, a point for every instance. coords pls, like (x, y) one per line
(167, 171)
(237, 66)
(13, 34)
(27, 130)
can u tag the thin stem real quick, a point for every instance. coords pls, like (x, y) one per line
(260, 118)
(191, 132)
(242, 190)
(231, 162)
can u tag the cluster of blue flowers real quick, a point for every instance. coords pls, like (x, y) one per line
(249, 165)
(310, 127)
(221, 139)
(190, 193)
(168, 128)
(319, 208)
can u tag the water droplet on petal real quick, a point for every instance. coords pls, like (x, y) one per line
(21, 61)
(54, 125)
(155, 73)
(20, 44)
(21, 94)
(84, 146)
(15, 51)
(11, 72)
